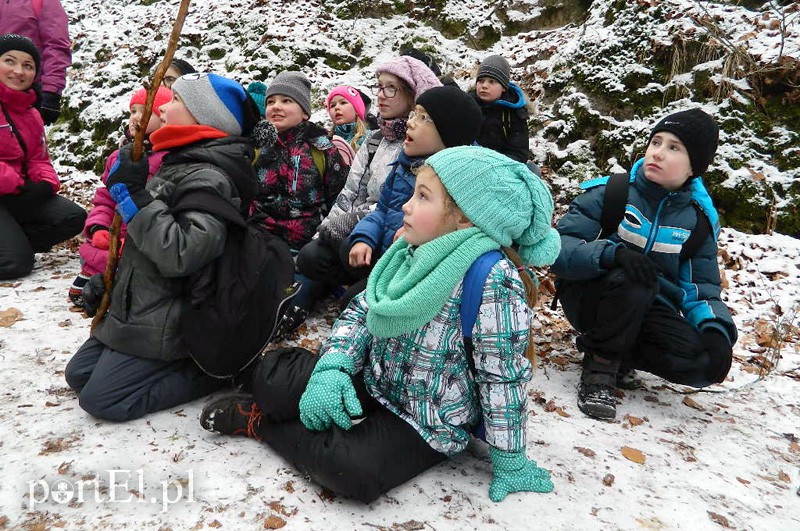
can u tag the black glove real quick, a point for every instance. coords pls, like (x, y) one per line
(720, 354)
(93, 294)
(638, 268)
(124, 171)
(50, 107)
(338, 228)
(33, 193)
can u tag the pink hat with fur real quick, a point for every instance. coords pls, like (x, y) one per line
(413, 71)
(352, 95)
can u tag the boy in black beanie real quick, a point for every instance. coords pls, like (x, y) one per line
(647, 295)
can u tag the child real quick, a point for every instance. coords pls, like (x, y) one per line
(397, 357)
(136, 362)
(258, 91)
(94, 251)
(33, 217)
(399, 82)
(504, 106)
(178, 68)
(302, 173)
(634, 298)
(443, 117)
(348, 111)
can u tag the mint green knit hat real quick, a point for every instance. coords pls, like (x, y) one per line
(503, 198)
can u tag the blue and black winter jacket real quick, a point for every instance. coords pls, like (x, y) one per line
(377, 229)
(656, 223)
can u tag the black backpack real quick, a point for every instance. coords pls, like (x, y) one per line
(614, 200)
(235, 302)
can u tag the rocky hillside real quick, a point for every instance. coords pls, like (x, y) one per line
(600, 73)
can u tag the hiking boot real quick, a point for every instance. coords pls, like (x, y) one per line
(76, 290)
(596, 391)
(233, 414)
(290, 321)
(628, 379)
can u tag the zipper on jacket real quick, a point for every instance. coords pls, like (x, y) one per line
(296, 159)
(654, 225)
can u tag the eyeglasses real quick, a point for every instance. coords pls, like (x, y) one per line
(167, 81)
(421, 115)
(389, 92)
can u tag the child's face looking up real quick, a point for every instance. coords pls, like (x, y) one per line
(427, 214)
(176, 113)
(666, 161)
(488, 89)
(400, 104)
(135, 120)
(170, 76)
(341, 111)
(284, 112)
(422, 137)
(17, 70)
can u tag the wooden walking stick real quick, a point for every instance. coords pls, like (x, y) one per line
(136, 154)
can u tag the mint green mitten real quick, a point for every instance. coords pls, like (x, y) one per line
(513, 472)
(330, 396)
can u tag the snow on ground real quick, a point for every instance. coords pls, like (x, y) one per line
(725, 458)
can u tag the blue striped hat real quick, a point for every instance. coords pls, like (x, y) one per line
(217, 101)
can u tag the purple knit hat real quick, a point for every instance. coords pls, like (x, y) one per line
(413, 71)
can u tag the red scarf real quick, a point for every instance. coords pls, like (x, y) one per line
(172, 136)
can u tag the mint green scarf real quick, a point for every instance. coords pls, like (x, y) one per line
(409, 286)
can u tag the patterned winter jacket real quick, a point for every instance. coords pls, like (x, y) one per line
(49, 32)
(377, 229)
(163, 248)
(363, 187)
(28, 123)
(656, 222)
(102, 213)
(505, 124)
(424, 376)
(292, 194)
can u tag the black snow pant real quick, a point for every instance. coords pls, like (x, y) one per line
(26, 230)
(377, 454)
(118, 387)
(623, 321)
(319, 261)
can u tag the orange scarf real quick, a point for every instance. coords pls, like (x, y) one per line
(172, 136)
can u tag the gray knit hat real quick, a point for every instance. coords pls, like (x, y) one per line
(495, 67)
(218, 102)
(295, 85)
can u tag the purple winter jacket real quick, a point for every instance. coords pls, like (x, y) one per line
(49, 32)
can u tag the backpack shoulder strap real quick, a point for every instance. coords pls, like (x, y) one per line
(472, 291)
(37, 7)
(700, 232)
(372, 145)
(319, 159)
(210, 202)
(614, 199)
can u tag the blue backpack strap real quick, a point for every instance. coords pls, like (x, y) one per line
(471, 295)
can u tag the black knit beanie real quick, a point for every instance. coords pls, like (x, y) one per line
(698, 132)
(183, 66)
(455, 114)
(12, 41)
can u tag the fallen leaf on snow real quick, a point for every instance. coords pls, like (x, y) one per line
(794, 447)
(742, 481)
(9, 317)
(783, 476)
(718, 518)
(692, 404)
(274, 522)
(608, 480)
(561, 412)
(632, 454)
(585, 451)
(215, 523)
(635, 421)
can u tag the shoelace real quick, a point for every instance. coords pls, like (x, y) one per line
(253, 420)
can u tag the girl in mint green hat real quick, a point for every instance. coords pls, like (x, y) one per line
(397, 358)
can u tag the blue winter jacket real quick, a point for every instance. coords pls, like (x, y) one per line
(656, 222)
(378, 228)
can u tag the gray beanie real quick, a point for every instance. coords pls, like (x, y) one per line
(216, 101)
(495, 67)
(295, 85)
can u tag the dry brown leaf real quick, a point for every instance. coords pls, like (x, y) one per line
(289, 486)
(215, 523)
(718, 518)
(585, 451)
(608, 480)
(742, 481)
(635, 421)
(632, 454)
(274, 522)
(783, 476)
(64, 467)
(687, 401)
(794, 447)
(9, 317)
(561, 412)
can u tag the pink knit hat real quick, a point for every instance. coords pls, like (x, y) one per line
(163, 95)
(352, 95)
(413, 71)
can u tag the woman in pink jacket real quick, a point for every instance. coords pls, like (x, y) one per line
(32, 216)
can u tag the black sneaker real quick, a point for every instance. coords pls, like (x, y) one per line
(596, 391)
(233, 414)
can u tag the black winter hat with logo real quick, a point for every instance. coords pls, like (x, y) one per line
(455, 114)
(698, 132)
